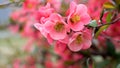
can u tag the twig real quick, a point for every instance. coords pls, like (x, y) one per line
(109, 23)
(101, 16)
(7, 4)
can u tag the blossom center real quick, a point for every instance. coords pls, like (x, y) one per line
(78, 40)
(30, 6)
(59, 26)
(75, 19)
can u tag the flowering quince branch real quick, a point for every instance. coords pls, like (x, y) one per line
(55, 28)
(9, 3)
(114, 21)
(72, 34)
(102, 13)
(4, 4)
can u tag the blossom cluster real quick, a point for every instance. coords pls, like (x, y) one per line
(69, 29)
(65, 24)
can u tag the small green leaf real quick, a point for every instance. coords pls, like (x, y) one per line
(12, 1)
(93, 23)
(108, 18)
(100, 30)
(108, 5)
(118, 66)
(102, 64)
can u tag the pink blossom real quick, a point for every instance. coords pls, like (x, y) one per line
(16, 63)
(80, 40)
(95, 8)
(77, 57)
(30, 4)
(60, 48)
(56, 4)
(114, 30)
(44, 11)
(41, 28)
(56, 27)
(48, 64)
(14, 28)
(78, 16)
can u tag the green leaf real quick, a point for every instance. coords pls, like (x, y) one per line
(93, 23)
(110, 48)
(118, 66)
(12, 1)
(100, 30)
(108, 18)
(102, 64)
(108, 5)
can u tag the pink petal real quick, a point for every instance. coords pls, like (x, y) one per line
(87, 39)
(48, 26)
(81, 9)
(38, 26)
(77, 27)
(60, 47)
(72, 44)
(87, 44)
(65, 40)
(58, 35)
(85, 18)
(72, 6)
(41, 29)
(75, 47)
(55, 17)
(49, 39)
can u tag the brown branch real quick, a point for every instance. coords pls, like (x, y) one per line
(109, 23)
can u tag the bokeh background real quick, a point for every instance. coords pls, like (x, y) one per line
(10, 43)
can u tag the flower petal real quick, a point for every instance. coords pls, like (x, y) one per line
(75, 47)
(58, 35)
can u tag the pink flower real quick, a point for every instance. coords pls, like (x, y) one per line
(114, 30)
(14, 28)
(80, 40)
(60, 48)
(56, 4)
(16, 63)
(44, 11)
(78, 16)
(41, 28)
(95, 8)
(56, 27)
(30, 4)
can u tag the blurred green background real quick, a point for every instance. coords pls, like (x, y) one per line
(10, 44)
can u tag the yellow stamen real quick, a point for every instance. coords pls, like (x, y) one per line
(59, 26)
(30, 5)
(78, 39)
(75, 19)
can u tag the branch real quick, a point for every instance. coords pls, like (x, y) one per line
(109, 23)
(8, 3)
(5, 4)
